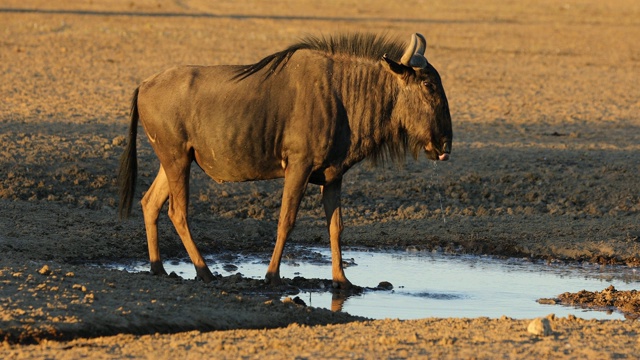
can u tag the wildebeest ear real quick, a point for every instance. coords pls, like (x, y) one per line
(393, 66)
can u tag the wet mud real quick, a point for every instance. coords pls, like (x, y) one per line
(609, 299)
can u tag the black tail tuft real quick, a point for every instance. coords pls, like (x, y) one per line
(128, 171)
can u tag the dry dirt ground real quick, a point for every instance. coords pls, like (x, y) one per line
(545, 164)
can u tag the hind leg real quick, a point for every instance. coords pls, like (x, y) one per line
(152, 203)
(178, 182)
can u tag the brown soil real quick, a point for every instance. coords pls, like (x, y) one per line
(545, 165)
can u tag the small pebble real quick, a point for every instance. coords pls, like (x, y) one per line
(385, 285)
(229, 267)
(45, 270)
(299, 301)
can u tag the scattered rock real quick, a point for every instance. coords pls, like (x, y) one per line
(79, 287)
(296, 300)
(229, 267)
(540, 327)
(45, 270)
(385, 285)
(299, 301)
(287, 300)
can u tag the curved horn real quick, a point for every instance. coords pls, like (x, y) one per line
(414, 54)
(422, 45)
(409, 51)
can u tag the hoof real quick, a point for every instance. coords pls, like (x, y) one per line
(342, 285)
(158, 269)
(272, 280)
(158, 273)
(205, 275)
(204, 279)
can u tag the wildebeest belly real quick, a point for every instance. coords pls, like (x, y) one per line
(227, 166)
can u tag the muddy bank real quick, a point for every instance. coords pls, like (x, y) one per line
(50, 301)
(609, 299)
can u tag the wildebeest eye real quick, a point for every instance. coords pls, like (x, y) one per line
(425, 83)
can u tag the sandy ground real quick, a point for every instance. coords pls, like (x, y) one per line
(545, 165)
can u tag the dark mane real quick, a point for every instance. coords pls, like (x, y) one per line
(369, 46)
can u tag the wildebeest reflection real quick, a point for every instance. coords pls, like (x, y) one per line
(307, 113)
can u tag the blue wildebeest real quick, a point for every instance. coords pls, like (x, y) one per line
(307, 113)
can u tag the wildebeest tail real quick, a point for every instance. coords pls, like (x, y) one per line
(128, 171)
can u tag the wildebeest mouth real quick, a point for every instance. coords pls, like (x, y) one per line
(438, 154)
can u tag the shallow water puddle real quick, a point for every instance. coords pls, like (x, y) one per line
(437, 285)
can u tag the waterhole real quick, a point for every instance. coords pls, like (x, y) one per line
(433, 284)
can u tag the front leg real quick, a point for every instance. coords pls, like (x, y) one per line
(331, 202)
(295, 183)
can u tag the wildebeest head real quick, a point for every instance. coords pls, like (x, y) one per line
(422, 108)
